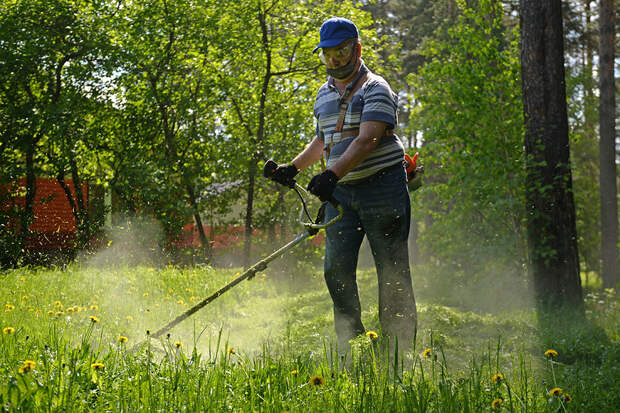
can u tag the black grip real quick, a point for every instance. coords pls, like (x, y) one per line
(269, 168)
(333, 201)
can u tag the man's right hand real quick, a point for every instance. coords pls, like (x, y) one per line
(282, 174)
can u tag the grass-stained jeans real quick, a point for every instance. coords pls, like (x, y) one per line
(378, 208)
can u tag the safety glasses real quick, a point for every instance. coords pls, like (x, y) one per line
(339, 54)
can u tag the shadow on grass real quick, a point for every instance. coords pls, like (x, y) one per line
(588, 360)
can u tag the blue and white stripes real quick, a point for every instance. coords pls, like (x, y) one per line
(374, 101)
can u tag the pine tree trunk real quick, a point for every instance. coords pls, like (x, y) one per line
(551, 227)
(608, 188)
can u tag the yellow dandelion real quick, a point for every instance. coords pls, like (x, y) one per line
(148, 332)
(567, 398)
(58, 304)
(180, 302)
(551, 353)
(556, 391)
(178, 344)
(230, 350)
(9, 307)
(70, 310)
(28, 366)
(96, 366)
(145, 294)
(317, 381)
(496, 404)
(94, 307)
(498, 378)
(171, 291)
(77, 309)
(372, 335)
(8, 330)
(93, 319)
(51, 312)
(426, 353)
(25, 297)
(294, 372)
(122, 339)
(59, 313)
(129, 318)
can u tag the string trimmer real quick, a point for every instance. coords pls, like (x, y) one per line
(310, 229)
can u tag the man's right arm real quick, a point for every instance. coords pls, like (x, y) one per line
(311, 154)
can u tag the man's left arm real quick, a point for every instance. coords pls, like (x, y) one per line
(368, 138)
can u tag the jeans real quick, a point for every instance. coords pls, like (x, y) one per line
(378, 208)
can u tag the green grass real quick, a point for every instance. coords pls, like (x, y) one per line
(257, 347)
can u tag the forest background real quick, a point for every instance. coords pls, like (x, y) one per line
(174, 106)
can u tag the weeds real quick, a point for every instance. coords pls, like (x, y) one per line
(94, 358)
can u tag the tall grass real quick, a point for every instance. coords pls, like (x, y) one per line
(78, 340)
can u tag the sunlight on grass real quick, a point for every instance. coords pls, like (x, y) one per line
(80, 339)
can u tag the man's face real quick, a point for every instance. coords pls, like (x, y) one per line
(337, 56)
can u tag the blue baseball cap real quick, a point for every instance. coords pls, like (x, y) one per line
(335, 31)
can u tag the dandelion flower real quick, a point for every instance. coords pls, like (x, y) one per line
(551, 353)
(94, 319)
(70, 310)
(230, 350)
(25, 297)
(556, 391)
(96, 366)
(294, 372)
(51, 312)
(567, 398)
(129, 318)
(122, 339)
(426, 353)
(58, 304)
(498, 378)
(94, 307)
(28, 366)
(9, 307)
(178, 344)
(145, 294)
(496, 404)
(372, 335)
(8, 330)
(148, 332)
(317, 381)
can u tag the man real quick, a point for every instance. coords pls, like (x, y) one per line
(356, 115)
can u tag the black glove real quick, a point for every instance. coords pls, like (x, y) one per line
(282, 174)
(323, 185)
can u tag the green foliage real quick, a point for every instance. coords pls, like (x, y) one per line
(470, 113)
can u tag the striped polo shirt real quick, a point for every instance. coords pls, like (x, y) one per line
(373, 101)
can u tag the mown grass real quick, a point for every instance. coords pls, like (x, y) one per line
(69, 337)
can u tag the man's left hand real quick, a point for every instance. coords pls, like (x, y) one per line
(323, 185)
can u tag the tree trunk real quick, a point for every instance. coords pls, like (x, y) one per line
(205, 247)
(607, 148)
(31, 188)
(83, 226)
(247, 245)
(551, 227)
